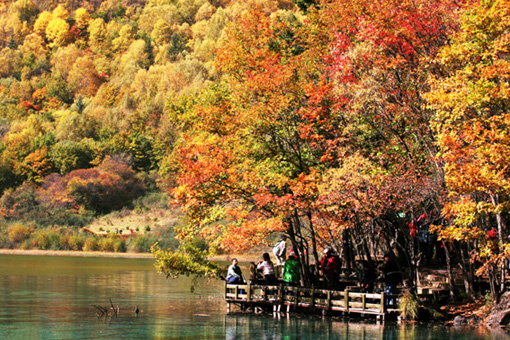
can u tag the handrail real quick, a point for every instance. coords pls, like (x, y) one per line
(347, 301)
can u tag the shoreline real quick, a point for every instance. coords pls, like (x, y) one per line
(80, 253)
(36, 252)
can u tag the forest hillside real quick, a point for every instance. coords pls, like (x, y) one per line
(86, 134)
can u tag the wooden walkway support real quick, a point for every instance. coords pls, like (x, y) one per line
(311, 299)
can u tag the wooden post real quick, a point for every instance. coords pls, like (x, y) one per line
(346, 300)
(312, 295)
(297, 297)
(265, 292)
(329, 300)
(383, 303)
(248, 292)
(363, 302)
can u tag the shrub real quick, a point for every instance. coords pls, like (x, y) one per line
(140, 244)
(76, 242)
(18, 233)
(119, 246)
(408, 306)
(90, 244)
(40, 240)
(106, 244)
(26, 245)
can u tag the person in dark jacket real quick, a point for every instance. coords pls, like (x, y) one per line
(391, 275)
(366, 277)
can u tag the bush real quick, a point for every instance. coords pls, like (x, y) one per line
(76, 242)
(408, 306)
(26, 245)
(106, 244)
(40, 240)
(119, 246)
(140, 244)
(90, 244)
(18, 233)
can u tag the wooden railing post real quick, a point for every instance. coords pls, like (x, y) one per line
(248, 292)
(383, 303)
(329, 299)
(363, 302)
(313, 299)
(346, 300)
(236, 292)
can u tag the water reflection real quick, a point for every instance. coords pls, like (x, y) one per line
(47, 298)
(244, 326)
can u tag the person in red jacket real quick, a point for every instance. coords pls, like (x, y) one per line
(330, 267)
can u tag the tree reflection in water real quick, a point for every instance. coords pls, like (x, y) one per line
(248, 326)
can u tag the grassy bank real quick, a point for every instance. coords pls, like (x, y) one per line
(35, 252)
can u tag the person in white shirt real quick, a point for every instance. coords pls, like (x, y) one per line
(267, 269)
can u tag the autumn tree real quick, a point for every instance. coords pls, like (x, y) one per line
(471, 104)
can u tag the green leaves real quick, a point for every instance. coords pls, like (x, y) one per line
(185, 261)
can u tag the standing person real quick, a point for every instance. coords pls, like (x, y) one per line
(267, 269)
(279, 250)
(366, 277)
(391, 275)
(330, 267)
(291, 275)
(234, 274)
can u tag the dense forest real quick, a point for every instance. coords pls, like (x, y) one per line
(365, 126)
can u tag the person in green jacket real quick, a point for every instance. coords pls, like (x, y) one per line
(291, 273)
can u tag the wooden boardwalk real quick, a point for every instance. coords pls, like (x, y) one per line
(310, 299)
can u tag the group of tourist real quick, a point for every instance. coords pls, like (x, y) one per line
(330, 266)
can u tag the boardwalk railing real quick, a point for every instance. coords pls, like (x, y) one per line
(311, 298)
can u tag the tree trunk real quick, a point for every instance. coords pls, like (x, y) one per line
(449, 272)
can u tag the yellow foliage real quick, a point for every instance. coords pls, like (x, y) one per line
(60, 12)
(162, 32)
(42, 22)
(82, 18)
(84, 76)
(98, 33)
(63, 59)
(18, 233)
(205, 12)
(33, 46)
(57, 32)
(9, 61)
(125, 38)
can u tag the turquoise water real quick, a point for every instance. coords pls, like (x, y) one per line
(43, 297)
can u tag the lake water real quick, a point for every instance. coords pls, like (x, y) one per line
(44, 297)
